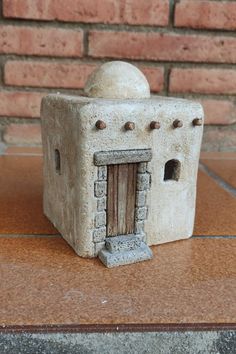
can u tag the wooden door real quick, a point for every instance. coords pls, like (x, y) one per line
(121, 199)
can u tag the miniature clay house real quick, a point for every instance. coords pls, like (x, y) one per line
(120, 167)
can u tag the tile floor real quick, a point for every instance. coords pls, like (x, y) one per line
(43, 282)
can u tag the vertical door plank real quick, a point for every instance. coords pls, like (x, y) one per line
(115, 200)
(112, 203)
(121, 193)
(110, 189)
(122, 197)
(131, 193)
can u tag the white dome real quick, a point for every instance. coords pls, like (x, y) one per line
(117, 79)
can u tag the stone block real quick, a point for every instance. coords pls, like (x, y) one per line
(100, 219)
(143, 181)
(122, 156)
(139, 227)
(100, 189)
(141, 198)
(101, 203)
(142, 167)
(110, 260)
(99, 234)
(141, 213)
(102, 173)
(122, 243)
(98, 247)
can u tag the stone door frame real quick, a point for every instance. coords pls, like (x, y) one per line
(104, 158)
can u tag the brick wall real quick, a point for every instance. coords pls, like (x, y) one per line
(186, 48)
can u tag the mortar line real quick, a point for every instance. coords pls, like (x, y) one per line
(119, 327)
(30, 235)
(20, 154)
(117, 27)
(214, 236)
(95, 60)
(171, 23)
(227, 187)
(218, 158)
(76, 91)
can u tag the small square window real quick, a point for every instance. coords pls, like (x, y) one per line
(172, 170)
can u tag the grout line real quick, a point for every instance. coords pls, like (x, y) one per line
(111, 27)
(97, 61)
(218, 158)
(30, 235)
(23, 154)
(227, 187)
(109, 328)
(214, 236)
(171, 24)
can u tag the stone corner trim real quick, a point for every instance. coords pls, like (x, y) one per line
(122, 156)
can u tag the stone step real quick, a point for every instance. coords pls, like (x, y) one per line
(118, 258)
(123, 243)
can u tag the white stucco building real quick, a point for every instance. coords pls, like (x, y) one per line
(120, 167)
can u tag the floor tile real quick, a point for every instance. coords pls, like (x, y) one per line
(218, 155)
(21, 196)
(215, 208)
(225, 169)
(23, 150)
(44, 282)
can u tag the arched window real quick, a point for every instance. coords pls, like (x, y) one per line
(172, 170)
(58, 161)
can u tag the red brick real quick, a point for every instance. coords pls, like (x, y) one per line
(222, 112)
(47, 74)
(41, 41)
(22, 134)
(152, 12)
(28, 9)
(155, 77)
(159, 46)
(67, 75)
(91, 11)
(203, 80)
(20, 104)
(206, 14)
(106, 11)
(143, 12)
